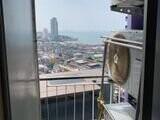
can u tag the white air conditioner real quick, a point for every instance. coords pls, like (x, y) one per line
(127, 2)
(124, 59)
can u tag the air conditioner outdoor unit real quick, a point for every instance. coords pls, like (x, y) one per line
(128, 2)
(120, 111)
(124, 59)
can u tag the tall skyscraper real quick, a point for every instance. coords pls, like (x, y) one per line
(54, 28)
(45, 34)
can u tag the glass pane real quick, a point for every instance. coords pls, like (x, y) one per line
(69, 36)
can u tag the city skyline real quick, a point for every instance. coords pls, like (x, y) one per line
(78, 15)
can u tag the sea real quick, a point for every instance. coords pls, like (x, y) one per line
(92, 37)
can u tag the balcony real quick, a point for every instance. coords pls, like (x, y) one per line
(67, 100)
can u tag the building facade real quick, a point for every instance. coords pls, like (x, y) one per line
(54, 28)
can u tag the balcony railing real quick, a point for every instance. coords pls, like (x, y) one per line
(73, 99)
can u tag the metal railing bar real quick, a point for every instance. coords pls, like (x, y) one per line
(125, 45)
(74, 117)
(93, 102)
(103, 68)
(123, 40)
(65, 102)
(74, 77)
(119, 94)
(83, 106)
(56, 104)
(111, 93)
(48, 117)
(72, 84)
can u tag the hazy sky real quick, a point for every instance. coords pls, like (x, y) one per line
(78, 15)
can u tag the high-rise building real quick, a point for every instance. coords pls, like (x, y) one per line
(45, 34)
(54, 28)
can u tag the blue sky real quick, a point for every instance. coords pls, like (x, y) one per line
(78, 15)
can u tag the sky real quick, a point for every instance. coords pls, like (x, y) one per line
(78, 15)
